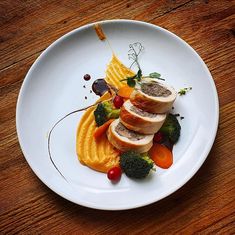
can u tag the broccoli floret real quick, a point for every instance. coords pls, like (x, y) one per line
(110, 111)
(135, 165)
(100, 115)
(171, 128)
(105, 111)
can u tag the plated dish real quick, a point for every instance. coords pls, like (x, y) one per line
(130, 128)
(55, 85)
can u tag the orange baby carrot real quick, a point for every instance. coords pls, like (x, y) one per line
(161, 155)
(102, 129)
(125, 91)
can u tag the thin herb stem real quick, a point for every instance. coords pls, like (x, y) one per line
(133, 54)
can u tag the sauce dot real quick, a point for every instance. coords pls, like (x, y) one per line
(87, 77)
(99, 86)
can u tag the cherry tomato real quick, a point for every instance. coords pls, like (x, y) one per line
(158, 137)
(118, 101)
(114, 173)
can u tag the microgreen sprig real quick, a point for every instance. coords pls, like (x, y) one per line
(133, 54)
(155, 75)
(183, 91)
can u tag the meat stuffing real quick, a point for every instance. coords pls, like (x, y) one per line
(131, 135)
(154, 89)
(142, 112)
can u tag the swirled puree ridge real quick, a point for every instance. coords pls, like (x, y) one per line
(100, 155)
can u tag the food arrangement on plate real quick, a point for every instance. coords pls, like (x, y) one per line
(56, 88)
(130, 129)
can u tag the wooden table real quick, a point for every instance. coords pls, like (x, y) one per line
(206, 204)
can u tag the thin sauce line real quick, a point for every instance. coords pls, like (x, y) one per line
(51, 130)
(102, 37)
(53, 127)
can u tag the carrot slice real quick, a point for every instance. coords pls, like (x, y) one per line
(102, 129)
(161, 155)
(125, 91)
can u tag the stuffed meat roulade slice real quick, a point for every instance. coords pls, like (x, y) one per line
(153, 97)
(124, 139)
(136, 119)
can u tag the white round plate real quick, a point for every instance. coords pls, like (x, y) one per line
(53, 87)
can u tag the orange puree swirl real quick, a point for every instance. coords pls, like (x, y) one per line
(100, 155)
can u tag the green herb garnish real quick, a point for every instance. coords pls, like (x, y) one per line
(183, 91)
(133, 53)
(131, 81)
(155, 75)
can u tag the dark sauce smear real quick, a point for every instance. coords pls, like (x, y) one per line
(87, 77)
(100, 86)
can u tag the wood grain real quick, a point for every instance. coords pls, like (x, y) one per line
(205, 205)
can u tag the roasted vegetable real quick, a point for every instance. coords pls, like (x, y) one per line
(105, 111)
(101, 130)
(161, 155)
(135, 165)
(171, 128)
(100, 115)
(110, 111)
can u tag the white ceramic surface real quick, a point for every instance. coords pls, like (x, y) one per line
(53, 87)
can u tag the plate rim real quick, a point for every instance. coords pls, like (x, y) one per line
(186, 178)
